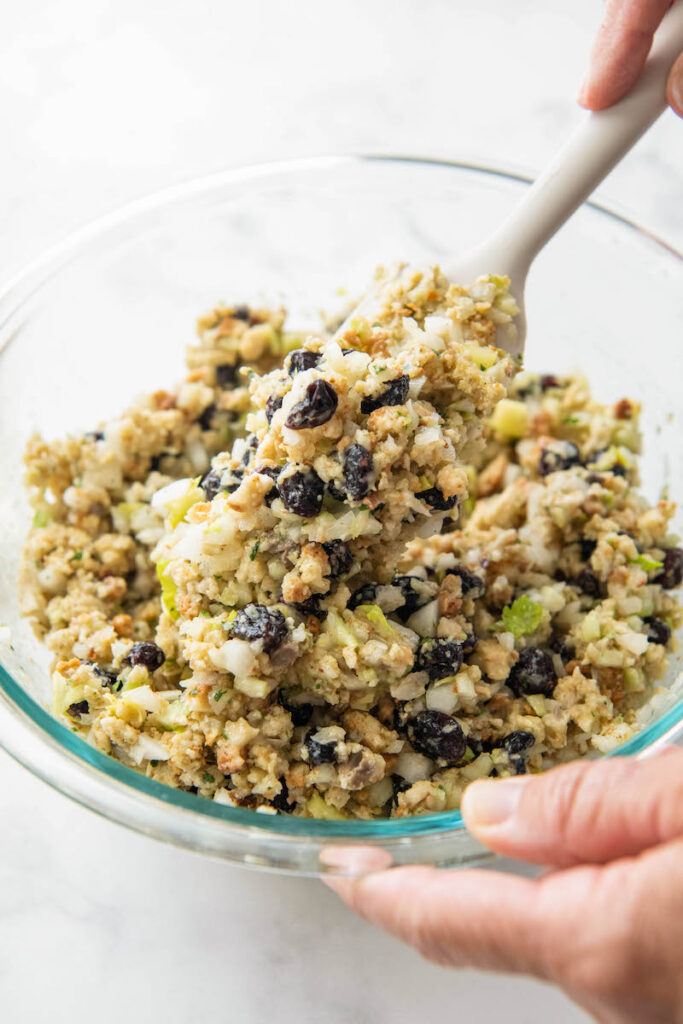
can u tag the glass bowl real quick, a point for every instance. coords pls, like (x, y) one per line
(107, 315)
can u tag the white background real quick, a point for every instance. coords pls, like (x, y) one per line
(101, 102)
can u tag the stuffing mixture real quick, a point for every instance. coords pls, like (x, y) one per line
(343, 575)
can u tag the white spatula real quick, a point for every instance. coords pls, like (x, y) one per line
(588, 155)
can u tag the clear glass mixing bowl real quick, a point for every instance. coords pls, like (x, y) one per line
(108, 314)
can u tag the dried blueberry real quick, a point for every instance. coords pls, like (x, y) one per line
(399, 785)
(302, 359)
(206, 418)
(435, 498)
(438, 736)
(240, 313)
(367, 594)
(657, 630)
(533, 672)
(147, 654)
(339, 556)
(589, 583)
(319, 752)
(470, 584)
(95, 435)
(558, 455)
(587, 546)
(226, 375)
(318, 405)
(155, 463)
(358, 471)
(395, 393)
(256, 622)
(302, 493)
(272, 406)
(301, 714)
(672, 571)
(81, 707)
(518, 765)
(518, 741)
(439, 658)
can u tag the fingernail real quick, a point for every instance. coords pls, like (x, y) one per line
(489, 803)
(675, 87)
(582, 95)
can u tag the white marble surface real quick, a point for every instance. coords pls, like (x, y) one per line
(101, 102)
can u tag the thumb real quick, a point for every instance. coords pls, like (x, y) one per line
(582, 812)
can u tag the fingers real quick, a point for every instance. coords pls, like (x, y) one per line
(674, 87)
(582, 812)
(472, 918)
(620, 50)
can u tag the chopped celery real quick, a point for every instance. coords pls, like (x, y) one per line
(178, 509)
(537, 702)
(523, 616)
(340, 632)
(41, 518)
(376, 616)
(590, 628)
(319, 808)
(510, 418)
(483, 355)
(645, 563)
(169, 589)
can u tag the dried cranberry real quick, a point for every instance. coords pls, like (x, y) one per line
(548, 380)
(564, 647)
(281, 801)
(272, 405)
(587, 546)
(206, 418)
(672, 571)
(109, 678)
(438, 736)
(318, 405)
(210, 483)
(558, 455)
(226, 375)
(311, 606)
(533, 672)
(589, 583)
(358, 471)
(339, 556)
(470, 584)
(416, 593)
(302, 359)
(435, 498)
(240, 313)
(366, 594)
(319, 752)
(439, 658)
(300, 714)
(657, 630)
(302, 493)
(256, 622)
(147, 654)
(518, 741)
(395, 393)
(81, 707)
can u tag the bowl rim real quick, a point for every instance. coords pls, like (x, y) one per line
(47, 748)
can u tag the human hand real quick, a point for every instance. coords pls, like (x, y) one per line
(620, 51)
(606, 926)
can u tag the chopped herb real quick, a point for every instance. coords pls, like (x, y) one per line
(219, 694)
(254, 551)
(41, 518)
(571, 419)
(207, 778)
(76, 557)
(522, 616)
